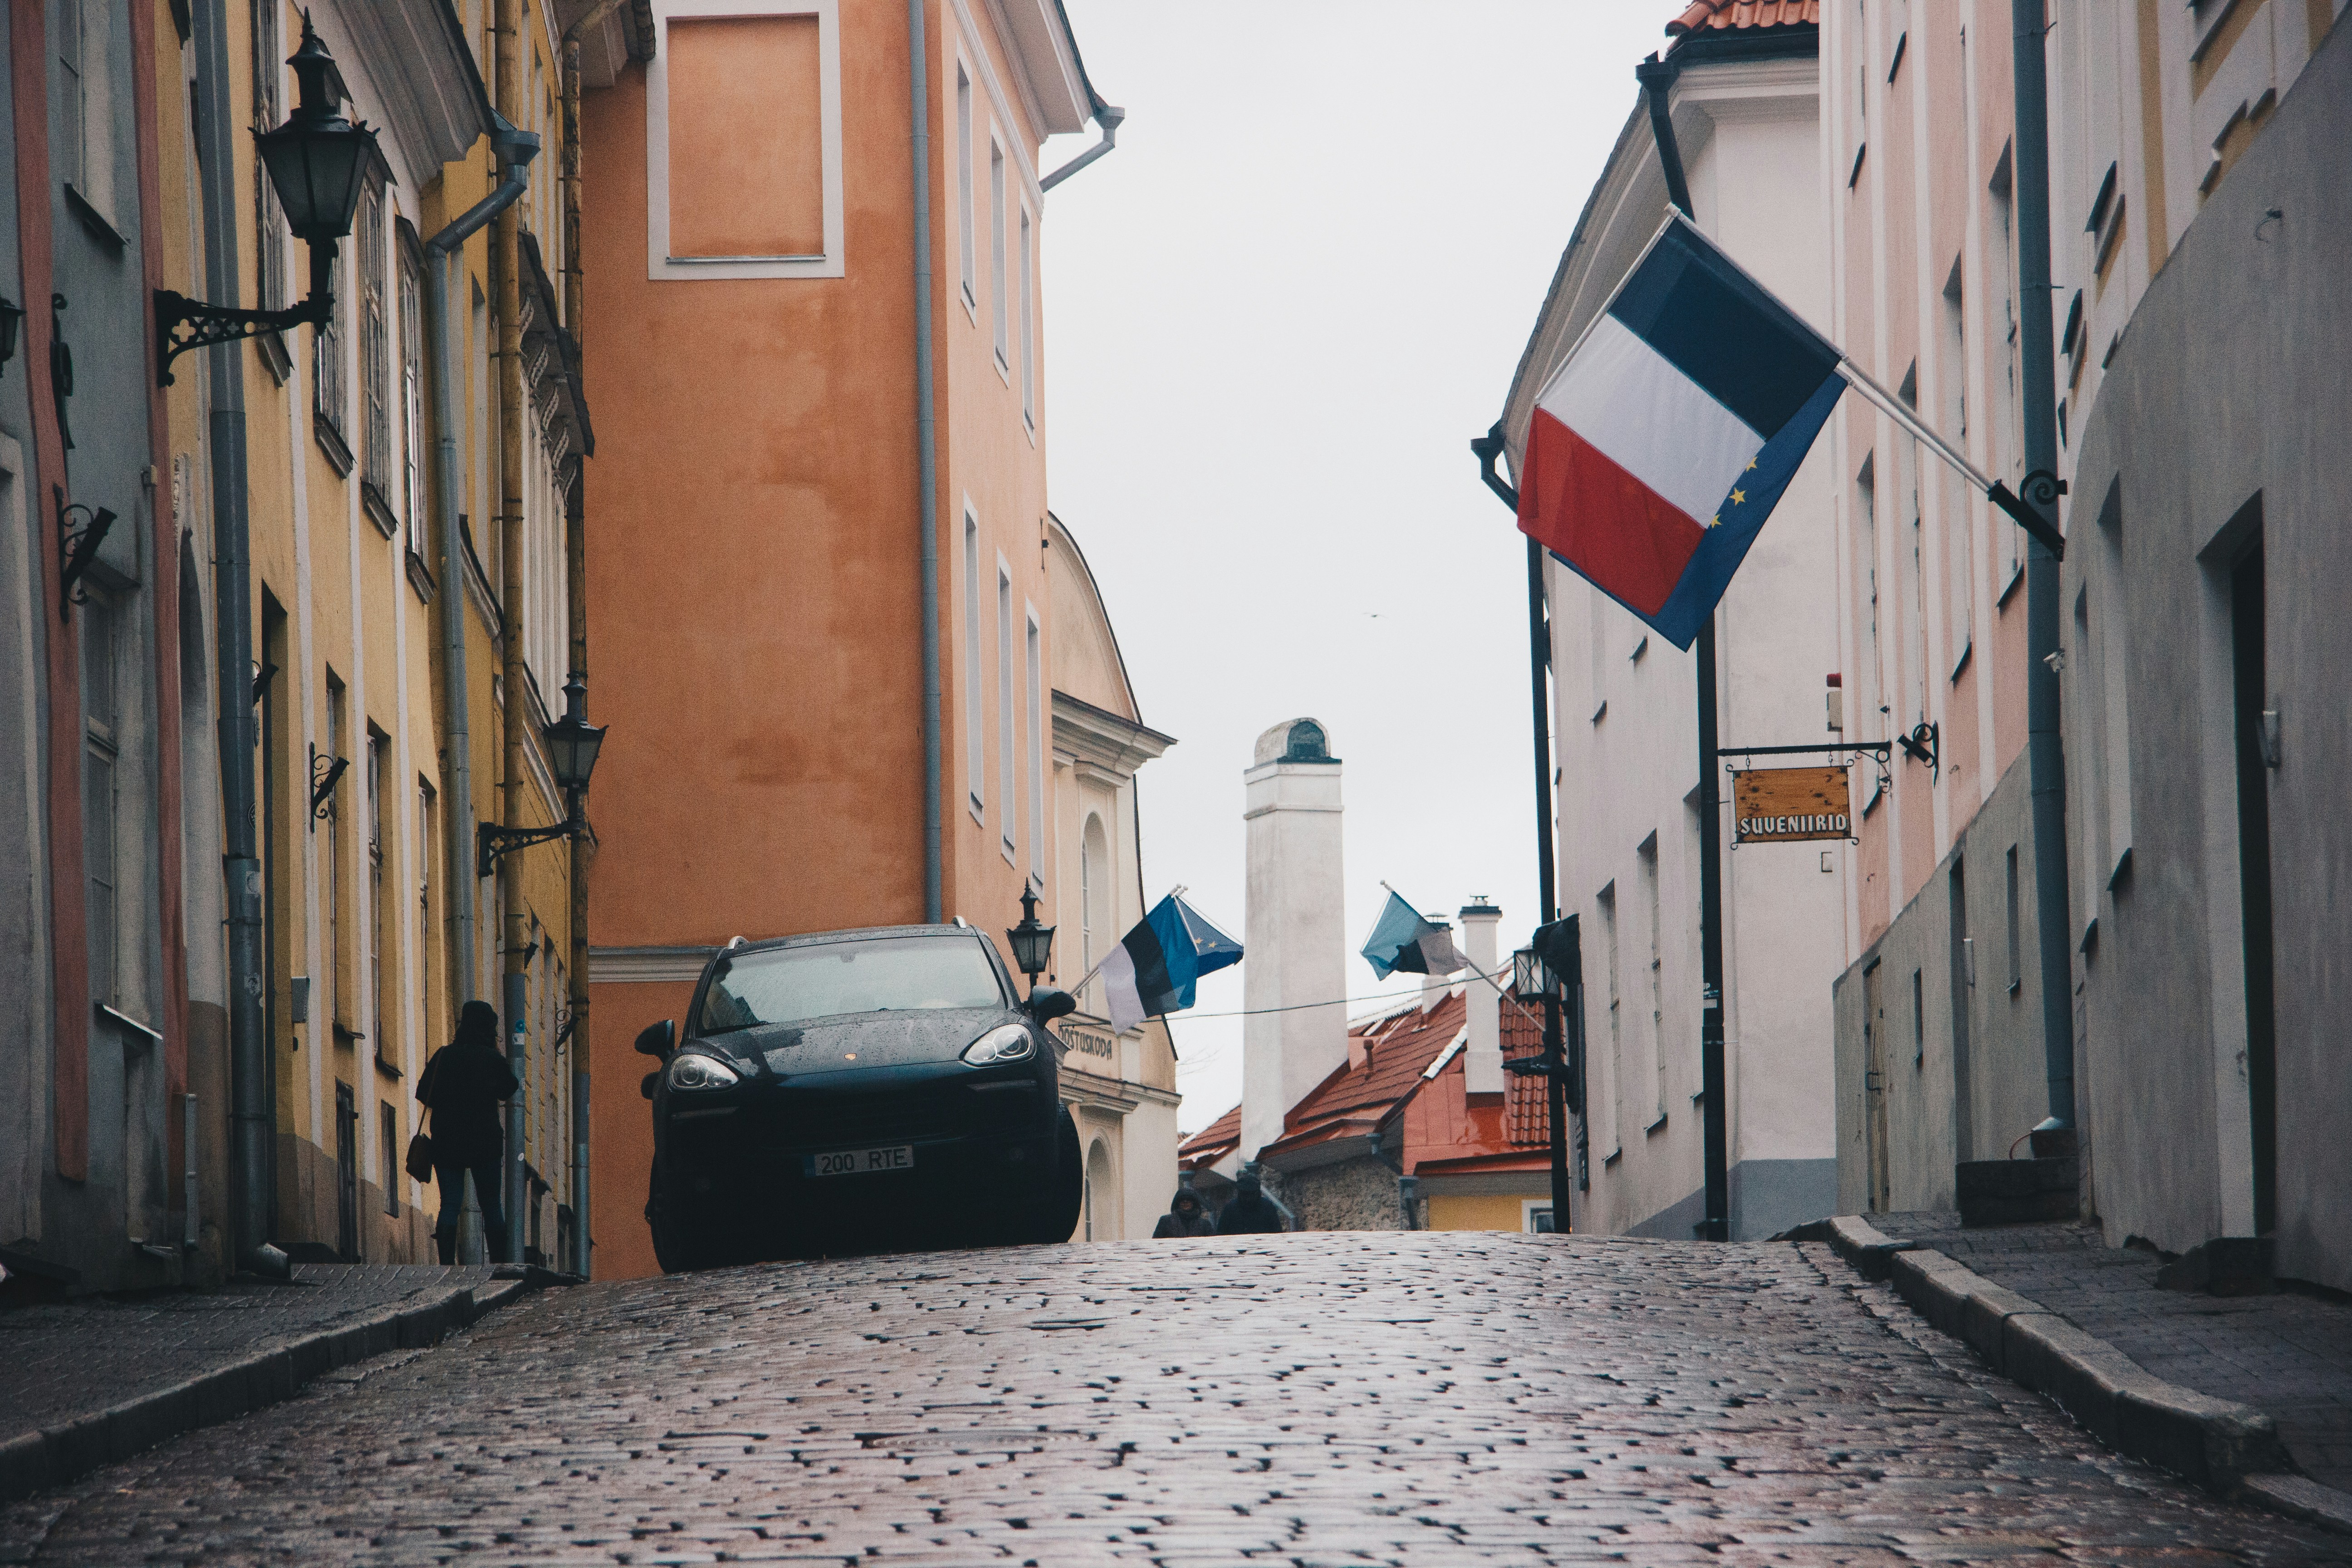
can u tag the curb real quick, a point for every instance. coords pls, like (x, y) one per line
(50, 1456)
(2231, 1449)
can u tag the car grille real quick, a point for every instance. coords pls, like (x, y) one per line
(813, 1121)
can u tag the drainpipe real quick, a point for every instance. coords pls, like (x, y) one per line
(1657, 79)
(926, 441)
(1108, 116)
(513, 150)
(2045, 758)
(506, 277)
(252, 1136)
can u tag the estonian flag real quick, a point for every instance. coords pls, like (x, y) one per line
(1405, 942)
(1660, 448)
(1152, 969)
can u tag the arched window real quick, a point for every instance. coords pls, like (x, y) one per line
(1102, 1197)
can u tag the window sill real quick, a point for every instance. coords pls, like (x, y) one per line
(1611, 1157)
(420, 577)
(100, 226)
(2016, 576)
(330, 442)
(1600, 712)
(271, 347)
(379, 510)
(1961, 669)
(1004, 371)
(1656, 1126)
(386, 1069)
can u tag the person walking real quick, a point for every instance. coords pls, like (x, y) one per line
(462, 1085)
(1251, 1213)
(1185, 1217)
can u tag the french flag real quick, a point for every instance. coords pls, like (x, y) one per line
(1664, 443)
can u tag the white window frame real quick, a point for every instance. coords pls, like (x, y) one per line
(975, 749)
(1008, 743)
(1034, 647)
(661, 266)
(1028, 322)
(967, 244)
(996, 239)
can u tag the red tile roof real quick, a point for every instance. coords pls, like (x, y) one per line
(1389, 1072)
(1712, 16)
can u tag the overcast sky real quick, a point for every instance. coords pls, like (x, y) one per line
(1273, 318)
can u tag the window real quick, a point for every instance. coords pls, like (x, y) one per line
(1873, 670)
(966, 220)
(389, 1153)
(102, 730)
(743, 140)
(330, 396)
(1960, 563)
(379, 927)
(1918, 1019)
(427, 801)
(341, 1011)
(996, 248)
(1028, 327)
(2007, 457)
(975, 755)
(1898, 34)
(1096, 934)
(85, 54)
(2016, 952)
(1036, 751)
(73, 87)
(376, 361)
(412, 401)
(1007, 742)
(1858, 106)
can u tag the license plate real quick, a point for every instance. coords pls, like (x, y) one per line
(859, 1162)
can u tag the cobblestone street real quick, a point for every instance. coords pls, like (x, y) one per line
(1304, 1399)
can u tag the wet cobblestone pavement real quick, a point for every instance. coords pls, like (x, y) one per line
(1316, 1399)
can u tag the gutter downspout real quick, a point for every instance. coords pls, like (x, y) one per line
(2045, 756)
(506, 279)
(1107, 115)
(252, 1138)
(927, 440)
(1657, 79)
(514, 149)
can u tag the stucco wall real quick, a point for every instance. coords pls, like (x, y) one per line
(2228, 388)
(1948, 1097)
(1350, 1194)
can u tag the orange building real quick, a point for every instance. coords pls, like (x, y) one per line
(820, 564)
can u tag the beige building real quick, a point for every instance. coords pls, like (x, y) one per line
(1121, 1086)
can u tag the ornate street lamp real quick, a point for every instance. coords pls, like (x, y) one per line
(572, 744)
(318, 164)
(1531, 980)
(12, 316)
(1032, 944)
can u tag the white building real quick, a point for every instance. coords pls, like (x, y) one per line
(1744, 111)
(1120, 1087)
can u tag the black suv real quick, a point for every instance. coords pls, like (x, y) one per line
(857, 1090)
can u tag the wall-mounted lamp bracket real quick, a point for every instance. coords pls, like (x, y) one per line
(326, 772)
(1920, 746)
(77, 548)
(491, 841)
(213, 324)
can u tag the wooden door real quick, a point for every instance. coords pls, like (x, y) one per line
(1873, 1085)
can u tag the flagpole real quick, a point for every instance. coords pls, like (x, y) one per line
(1657, 79)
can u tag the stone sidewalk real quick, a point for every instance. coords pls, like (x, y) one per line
(86, 1381)
(2288, 1354)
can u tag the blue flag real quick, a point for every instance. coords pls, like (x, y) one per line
(1154, 969)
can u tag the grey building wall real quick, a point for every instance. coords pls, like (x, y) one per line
(1963, 1074)
(2220, 425)
(1768, 1196)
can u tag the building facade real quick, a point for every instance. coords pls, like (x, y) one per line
(119, 1171)
(822, 480)
(2202, 364)
(1744, 107)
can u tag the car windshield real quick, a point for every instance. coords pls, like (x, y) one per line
(784, 985)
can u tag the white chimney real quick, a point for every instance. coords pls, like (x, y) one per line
(1294, 928)
(1482, 1058)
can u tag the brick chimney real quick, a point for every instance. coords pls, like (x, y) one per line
(1482, 1057)
(1294, 928)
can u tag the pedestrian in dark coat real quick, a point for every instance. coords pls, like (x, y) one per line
(1185, 1217)
(462, 1085)
(1250, 1213)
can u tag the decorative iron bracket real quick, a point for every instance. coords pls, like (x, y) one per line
(1919, 745)
(2041, 488)
(491, 841)
(212, 324)
(77, 548)
(325, 773)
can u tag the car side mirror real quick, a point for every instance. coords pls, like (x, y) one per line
(646, 1084)
(1046, 1004)
(657, 1039)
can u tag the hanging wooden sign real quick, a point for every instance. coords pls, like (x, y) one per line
(1789, 805)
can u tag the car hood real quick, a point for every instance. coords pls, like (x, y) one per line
(816, 1047)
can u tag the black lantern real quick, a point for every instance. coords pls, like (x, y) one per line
(12, 316)
(1032, 944)
(573, 741)
(317, 163)
(1530, 981)
(318, 160)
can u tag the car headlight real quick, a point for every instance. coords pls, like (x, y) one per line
(691, 1072)
(1005, 1043)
